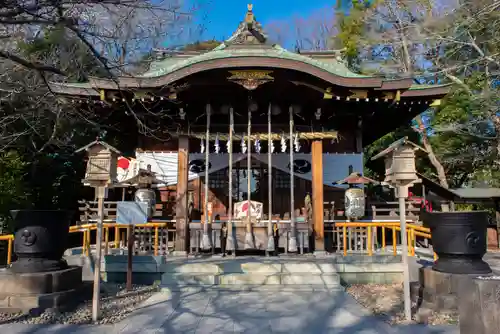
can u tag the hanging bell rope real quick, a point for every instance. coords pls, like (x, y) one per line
(292, 241)
(205, 242)
(229, 238)
(249, 242)
(270, 236)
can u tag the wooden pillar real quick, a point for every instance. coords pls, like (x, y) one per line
(317, 194)
(181, 203)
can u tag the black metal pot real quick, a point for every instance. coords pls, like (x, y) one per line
(40, 240)
(459, 240)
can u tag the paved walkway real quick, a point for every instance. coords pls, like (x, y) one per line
(260, 312)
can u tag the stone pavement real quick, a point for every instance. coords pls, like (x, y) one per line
(197, 310)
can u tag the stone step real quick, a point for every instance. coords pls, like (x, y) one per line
(324, 270)
(331, 280)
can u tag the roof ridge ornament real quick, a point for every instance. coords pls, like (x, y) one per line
(249, 17)
(249, 32)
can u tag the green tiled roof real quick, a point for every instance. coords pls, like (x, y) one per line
(421, 86)
(163, 67)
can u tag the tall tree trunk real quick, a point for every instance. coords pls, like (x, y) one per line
(430, 153)
(408, 69)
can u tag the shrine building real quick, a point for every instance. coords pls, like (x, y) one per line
(250, 121)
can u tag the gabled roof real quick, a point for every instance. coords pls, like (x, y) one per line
(398, 143)
(248, 47)
(95, 143)
(467, 195)
(356, 178)
(225, 50)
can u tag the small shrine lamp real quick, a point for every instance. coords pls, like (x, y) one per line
(354, 201)
(144, 194)
(101, 174)
(400, 174)
(102, 164)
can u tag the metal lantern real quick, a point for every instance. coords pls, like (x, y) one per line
(102, 162)
(145, 194)
(354, 200)
(148, 196)
(354, 203)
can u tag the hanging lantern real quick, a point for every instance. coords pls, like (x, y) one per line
(355, 197)
(354, 203)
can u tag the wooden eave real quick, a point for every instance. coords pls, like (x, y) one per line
(95, 85)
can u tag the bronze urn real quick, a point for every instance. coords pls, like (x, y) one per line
(459, 240)
(40, 240)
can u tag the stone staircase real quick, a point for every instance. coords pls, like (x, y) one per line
(306, 271)
(250, 273)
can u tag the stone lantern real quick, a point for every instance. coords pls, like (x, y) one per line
(102, 163)
(101, 172)
(400, 173)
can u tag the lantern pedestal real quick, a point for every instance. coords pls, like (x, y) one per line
(35, 292)
(440, 291)
(479, 307)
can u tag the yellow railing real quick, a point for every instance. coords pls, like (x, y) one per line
(413, 231)
(9, 238)
(87, 228)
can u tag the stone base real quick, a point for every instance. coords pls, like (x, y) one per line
(440, 291)
(37, 265)
(479, 307)
(35, 292)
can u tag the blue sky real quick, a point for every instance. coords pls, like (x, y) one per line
(222, 16)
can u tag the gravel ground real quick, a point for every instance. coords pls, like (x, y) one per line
(116, 304)
(386, 300)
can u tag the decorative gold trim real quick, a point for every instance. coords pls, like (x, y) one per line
(359, 94)
(388, 95)
(250, 79)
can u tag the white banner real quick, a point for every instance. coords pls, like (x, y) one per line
(335, 166)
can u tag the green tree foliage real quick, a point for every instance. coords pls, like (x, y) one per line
(38, 167)
(13, 188)
(57, 47)
(351, 18)
(421, 38)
